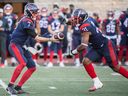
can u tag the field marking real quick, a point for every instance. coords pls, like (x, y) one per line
(52, 87)
(115, 74)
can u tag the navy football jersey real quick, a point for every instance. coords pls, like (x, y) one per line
(76, 30)
(96, 38)
(110, 27)
(44, 24)
(55, 24)
(11, 19)
(124, 23)
(20, 35)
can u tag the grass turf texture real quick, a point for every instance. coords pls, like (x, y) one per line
(68, 81)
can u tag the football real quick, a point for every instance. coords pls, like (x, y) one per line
(59, 36)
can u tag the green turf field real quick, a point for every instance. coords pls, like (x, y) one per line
(69, 81)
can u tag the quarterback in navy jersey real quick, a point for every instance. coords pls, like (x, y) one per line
(124, 36)
(24, 30)
(100, 46)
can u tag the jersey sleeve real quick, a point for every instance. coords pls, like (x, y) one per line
(85, 27)
(29, 27)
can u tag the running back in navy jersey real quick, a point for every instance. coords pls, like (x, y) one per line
(96, 38)
(19, 35)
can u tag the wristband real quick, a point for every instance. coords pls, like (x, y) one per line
(74, 51)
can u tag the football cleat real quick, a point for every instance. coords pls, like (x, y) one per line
(19, 90)
(95, 87)
(11, 90)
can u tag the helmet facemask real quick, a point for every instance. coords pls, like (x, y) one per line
(78, 16)
(76, 20)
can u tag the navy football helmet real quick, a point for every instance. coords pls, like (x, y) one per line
(30, 9)
(110, 15)
(78, 16)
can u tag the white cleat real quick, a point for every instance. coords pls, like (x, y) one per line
(50, 64)
(77, 65)
(119, 62)
(61, 64)
(95, 87)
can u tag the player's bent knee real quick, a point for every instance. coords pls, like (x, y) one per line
(32, 69)
(86, 61)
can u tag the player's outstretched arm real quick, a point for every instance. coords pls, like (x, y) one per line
(44, 39)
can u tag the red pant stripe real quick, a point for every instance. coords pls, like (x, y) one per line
(17, 53)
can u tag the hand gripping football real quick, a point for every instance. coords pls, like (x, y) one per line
(59, 36)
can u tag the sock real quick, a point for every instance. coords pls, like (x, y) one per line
(123, 72)
(90, 70)
(16, 73)
(60, 55)
(10, 84)
(51, 55)
(127, 54)
(103, 60)
(96, 80)
(76, 56)
(45, 53)
(120, 55)
(26, 76)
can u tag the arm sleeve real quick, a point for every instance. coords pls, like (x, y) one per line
(29, 28)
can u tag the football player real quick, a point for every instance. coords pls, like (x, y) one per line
(12, 20)
(44, 30)
(24, 30)
(3, 36)
(110, 27)
(124, 36)
(100, 46)
(55, 26)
